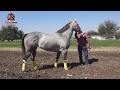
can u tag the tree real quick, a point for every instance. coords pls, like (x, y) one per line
(117, 35)
(92, 32)
(20, 34)
(3, 33)
(10, 32)
(108, 28)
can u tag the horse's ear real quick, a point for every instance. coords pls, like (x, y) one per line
(74, 20)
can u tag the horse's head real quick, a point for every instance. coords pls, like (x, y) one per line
(75, 26)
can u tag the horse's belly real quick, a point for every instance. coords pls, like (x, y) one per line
(50, 47)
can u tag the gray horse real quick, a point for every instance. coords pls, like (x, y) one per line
(57, 42)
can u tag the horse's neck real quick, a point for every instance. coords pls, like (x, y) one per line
(68, 33)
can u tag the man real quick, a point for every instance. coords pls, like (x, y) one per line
(83, 45)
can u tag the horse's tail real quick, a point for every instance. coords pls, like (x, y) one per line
(23, 46)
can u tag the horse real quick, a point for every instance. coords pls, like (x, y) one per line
(58, 42)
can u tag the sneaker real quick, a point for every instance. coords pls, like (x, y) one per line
(88, 64)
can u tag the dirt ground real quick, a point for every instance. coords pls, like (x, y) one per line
(104, 65)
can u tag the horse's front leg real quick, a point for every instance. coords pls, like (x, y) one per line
(64, 54)
(57, 58)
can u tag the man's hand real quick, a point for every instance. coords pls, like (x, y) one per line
(88, 48)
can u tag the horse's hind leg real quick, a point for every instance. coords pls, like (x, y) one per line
(33, 59)
(57, 58)
(24, 60)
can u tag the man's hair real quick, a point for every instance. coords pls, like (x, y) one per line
(80, 31)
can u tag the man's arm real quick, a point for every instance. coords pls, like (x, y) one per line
(88, 43)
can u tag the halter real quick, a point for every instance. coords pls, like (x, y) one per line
(76, 25)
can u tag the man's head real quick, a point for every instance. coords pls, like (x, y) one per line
(80, 31)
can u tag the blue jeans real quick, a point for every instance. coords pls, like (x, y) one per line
(84, 49)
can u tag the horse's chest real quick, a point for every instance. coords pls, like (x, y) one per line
(65, 44)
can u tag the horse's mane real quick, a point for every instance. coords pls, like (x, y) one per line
(67, 26)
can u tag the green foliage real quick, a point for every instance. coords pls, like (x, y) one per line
(117, 35)
(108, 28)
(92, 32)
(10, 32)
(73, 43)
(21, 33)
(98, 43)
(104, 43)
(13, 44)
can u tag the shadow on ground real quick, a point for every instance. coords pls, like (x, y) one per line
(51, 66)
(70, 65)
(93, 60)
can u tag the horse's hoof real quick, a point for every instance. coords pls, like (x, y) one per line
(66, 68)
(55, 65)
(23, 70)
(35, 68)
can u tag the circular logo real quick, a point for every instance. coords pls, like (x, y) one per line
(11, 17)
